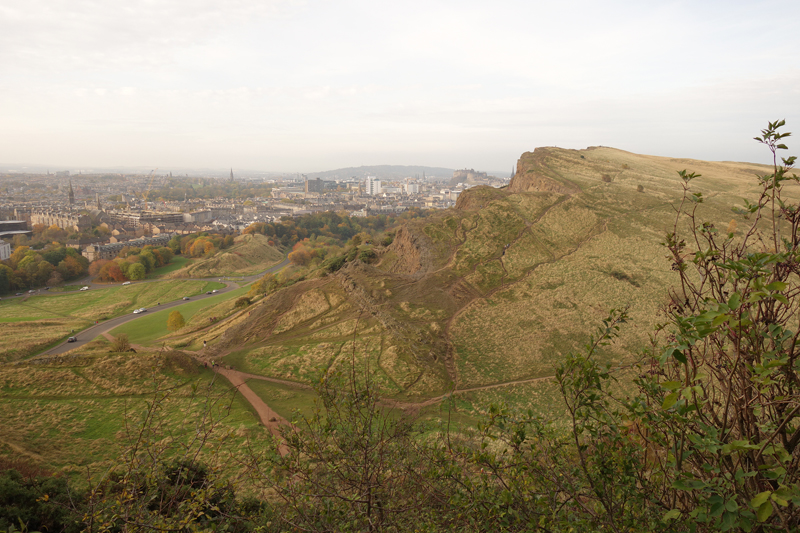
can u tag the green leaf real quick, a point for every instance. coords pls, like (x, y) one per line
(670, 400)
(776, 286)
(679, 356)
(734, 300)
(760, 498)
(671, 385)
(764, 511)
(671, 515)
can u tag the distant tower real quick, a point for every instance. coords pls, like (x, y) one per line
(423, 175)
(231, 175)
(97, 197)
(513, 171)
(71, 194)
(170, 174)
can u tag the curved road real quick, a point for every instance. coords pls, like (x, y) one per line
(91, 332)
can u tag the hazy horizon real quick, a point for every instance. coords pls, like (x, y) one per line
(311, 86)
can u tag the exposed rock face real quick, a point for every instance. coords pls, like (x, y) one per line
(411, 252)
(534, 175)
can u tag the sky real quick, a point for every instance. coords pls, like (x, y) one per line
(305, 86)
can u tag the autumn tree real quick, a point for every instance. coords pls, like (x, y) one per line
(175, 321)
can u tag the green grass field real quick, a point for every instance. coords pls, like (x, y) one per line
(151, 327)
(178, 262)
(29, 324)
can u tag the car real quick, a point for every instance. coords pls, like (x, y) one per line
(209, 292)
(185, 297)
(215, 291)
(127, 283)
(31, 291)
(20, 294)
(47, 288)
(72, 339)
(140, 310)
(84, 288)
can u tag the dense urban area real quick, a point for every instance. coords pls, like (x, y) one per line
(75, 219)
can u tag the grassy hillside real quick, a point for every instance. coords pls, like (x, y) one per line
(488, 296)
(71, 414)
(466, 307)
(250, 254)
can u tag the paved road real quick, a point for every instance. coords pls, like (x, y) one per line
(91, 332)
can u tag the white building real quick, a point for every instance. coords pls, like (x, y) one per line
(412, 188)
(5, 251)
(373, 186)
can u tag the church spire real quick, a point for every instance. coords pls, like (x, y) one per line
(231, 173)
(71, 194)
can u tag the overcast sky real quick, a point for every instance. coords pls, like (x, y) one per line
(316, 85)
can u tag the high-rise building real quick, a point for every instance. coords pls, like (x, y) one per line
(315, 185)
(373, 186)
(412, 188)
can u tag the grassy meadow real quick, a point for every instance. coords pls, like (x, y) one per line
(75, 415)
(30, 324)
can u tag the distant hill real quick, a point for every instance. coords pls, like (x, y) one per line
(386, 172)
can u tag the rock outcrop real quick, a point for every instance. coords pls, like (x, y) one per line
(534, 175)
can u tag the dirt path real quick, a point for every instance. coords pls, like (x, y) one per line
(269, 418)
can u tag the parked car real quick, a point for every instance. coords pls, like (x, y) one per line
(215, 290)
(31, 291)
(20, 294)
(140, 310)
(84, 288)
(185, 297)
(209, 292)
(127, 283)
(72, 339)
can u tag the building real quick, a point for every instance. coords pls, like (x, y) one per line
(315, 185)
(63, 220)
(110, 251)
(373, 186)
(5, 251)
(412, 188)
(136, 219)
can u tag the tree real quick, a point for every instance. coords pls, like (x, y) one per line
(175, 321)
(136, 272)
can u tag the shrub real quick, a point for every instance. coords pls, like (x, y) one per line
(121, 343)
(640, 188)
(242, 302)
(367, 256)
